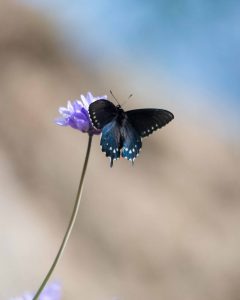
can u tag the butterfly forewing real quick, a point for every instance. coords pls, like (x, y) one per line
(102, 112)
(145, 121)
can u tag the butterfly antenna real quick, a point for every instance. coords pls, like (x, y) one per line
(114, 97)
(127, 99)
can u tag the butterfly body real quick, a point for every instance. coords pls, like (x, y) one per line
(122, 131)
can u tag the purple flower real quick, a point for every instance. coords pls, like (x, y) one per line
(51, 292)
(76, 114)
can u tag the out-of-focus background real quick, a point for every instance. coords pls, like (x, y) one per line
(167, 228)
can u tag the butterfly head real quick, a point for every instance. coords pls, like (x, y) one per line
(121, 115)
(119, 108)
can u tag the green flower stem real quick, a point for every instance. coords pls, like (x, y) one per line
(71, 222)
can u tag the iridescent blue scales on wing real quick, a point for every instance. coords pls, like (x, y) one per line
(111, 141)
(131, 142)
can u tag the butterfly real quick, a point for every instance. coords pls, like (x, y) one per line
(122, 131)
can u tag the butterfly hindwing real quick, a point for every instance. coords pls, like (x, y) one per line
(111, 140)
(145, 121)
(102, 112)
(131, 141)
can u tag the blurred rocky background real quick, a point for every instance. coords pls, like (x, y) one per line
(167, 228)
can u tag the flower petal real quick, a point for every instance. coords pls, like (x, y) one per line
(90, 98)
(77, 105)
(64, 111)
(61, 121)
(70, 107)
(82, 125)
(85, 114)
(84, 101)
(50, 292)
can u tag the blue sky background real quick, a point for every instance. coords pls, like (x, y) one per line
(196, 43)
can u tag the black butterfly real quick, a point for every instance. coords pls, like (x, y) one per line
(122, 131)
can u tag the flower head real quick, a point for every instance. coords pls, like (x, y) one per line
(51, 292)
(76, 114)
